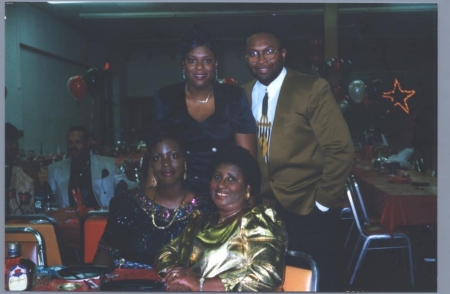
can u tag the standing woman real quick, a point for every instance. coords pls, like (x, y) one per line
(212, 115)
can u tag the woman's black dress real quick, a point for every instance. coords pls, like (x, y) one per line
(232, 115)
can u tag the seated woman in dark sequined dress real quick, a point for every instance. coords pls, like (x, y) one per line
(141, 221)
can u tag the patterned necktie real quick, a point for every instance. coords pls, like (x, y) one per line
(264, 128)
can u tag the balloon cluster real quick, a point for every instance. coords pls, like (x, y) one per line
(92, 82)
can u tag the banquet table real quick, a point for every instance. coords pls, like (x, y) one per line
(119, 274)
(396, 200)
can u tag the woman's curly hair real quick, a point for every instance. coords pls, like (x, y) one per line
(240, 157)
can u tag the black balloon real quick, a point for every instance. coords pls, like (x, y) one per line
(347, 68)
(94, 79)
(374, 89)
(325, 68)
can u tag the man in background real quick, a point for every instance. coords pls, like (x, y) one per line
(20, 175)
(95, 176)
(305, 150)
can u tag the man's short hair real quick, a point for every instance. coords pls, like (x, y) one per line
(79, 129)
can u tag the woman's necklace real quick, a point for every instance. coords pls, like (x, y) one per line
(200, 101)
(222, 219)
(174, 214)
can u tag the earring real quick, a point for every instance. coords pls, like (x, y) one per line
(247, 194)
(153, 180)
(185, 171)
(184, 74)
(216, 73)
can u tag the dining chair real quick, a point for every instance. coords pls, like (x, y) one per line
(299, 279)
(371, 237)
(32, 242)
(354, 188)
(90, 235)
(51, 236)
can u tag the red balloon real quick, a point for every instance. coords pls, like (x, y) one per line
(77, 87)
(316, 59)
(337, 66)
(230, 81)
(337, 93)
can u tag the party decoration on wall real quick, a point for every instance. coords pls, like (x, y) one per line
(230, 81)
(357, 90)
(77, 87)
(94, 80)
(399, 97)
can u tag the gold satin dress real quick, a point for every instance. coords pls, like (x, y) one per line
(247, 252)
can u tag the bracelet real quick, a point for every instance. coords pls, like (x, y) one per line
(201, 283)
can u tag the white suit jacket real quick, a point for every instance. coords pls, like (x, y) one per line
(103, 182)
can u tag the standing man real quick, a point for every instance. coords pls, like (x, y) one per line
(305, 149)
(96, 176)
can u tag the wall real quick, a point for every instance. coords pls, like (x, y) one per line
(42, 53)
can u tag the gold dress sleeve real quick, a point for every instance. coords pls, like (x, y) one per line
(247, 253)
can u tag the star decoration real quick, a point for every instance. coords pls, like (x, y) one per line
(397, 98)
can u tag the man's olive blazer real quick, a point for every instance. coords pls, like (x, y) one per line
(311, 150)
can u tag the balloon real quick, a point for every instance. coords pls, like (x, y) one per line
(325, 68)
(77, 87)
(374, 89)
(357, 90)
(94, 81)
(316, 59)
(336, 67)
(230, 81)
(344, 105)
(337, 92)
(347, 67)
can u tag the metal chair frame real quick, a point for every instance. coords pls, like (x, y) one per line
(312, 266)
(50, 220)
(39, 240)
(367, 239)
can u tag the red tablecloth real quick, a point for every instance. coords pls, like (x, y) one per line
(397, 204)
(122, 274)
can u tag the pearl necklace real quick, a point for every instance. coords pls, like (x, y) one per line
(174, 214)
(200, 101)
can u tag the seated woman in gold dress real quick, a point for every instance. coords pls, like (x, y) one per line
(240, 248)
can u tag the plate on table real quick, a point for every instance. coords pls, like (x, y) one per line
(133, 285)
(398, 180)
(82, 272)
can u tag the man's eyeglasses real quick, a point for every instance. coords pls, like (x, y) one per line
(268, 54)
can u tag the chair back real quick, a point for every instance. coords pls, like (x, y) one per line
(298, 279)
(91, 232)
(49, 229)
(358, 214)
(31, 241)
(358, 200)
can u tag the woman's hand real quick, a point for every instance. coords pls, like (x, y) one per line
(182, 279)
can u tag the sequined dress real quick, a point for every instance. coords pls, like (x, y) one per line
(247, 253)
(130, 233)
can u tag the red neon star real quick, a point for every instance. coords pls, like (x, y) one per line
(392, 95)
